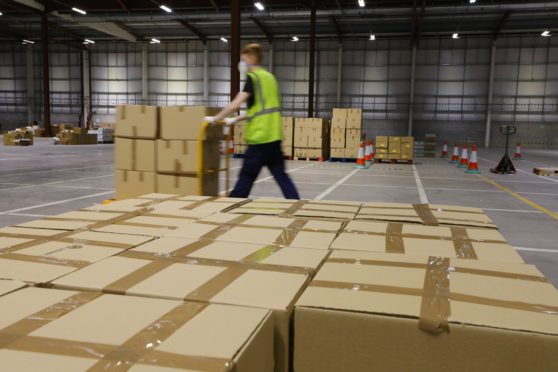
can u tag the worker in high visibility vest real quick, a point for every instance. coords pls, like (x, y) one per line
(263, 129)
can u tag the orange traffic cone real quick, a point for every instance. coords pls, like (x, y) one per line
(455, 156)
(464, 161)
(360, 163)
(367, 158)
(445, 150)
(517, 155)
(473, 164)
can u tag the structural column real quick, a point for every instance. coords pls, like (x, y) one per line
(205, 75)
(46, 74)
(30, 84)
(86, 86)
(312, 61)
(270, 57)
(144, 74)
(339, 72)
(489, 98)
(412, 90)
(235, 47)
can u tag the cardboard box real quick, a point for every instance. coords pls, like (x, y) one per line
(394, 150)
(126, 205)
(287, 151)
(351, 153)
(190, 208)
(180, 157)
(338, 123)
(382, 156)
(301, 141)
(427, 214)
(381, 151)
(8, 286)
(337, 153)
(209, 282)
(322, 209)
(188, 184)
(407, 140)
(394, 142)
(412, 239)
(339, 113)
(185, 123)
(134, 154)
(136, 121)
(133, 183)
(337, 142)
(85, 331)
(353, 139)
(406, 156)
(377, 315)
(382, 142)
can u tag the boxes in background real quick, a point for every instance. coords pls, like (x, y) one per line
(394, 142)
(382, 142)
(18, 137)
(339, 113)
(134, 121)
(301, 141)
(184, 123)
(135, 154)
(287, 151)
(353, 138)
(351, 153)
(337, 153)
(409, 307)
(381, 151)
(338, 123)
(381, 156)
(112, 332)
(187, 184)
(337, 142)
(407, 140)
(133, 183)
(179, 157)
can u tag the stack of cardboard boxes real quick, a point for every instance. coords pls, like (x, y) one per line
(75, 136)
(394, 148)
(288, 136)
(346, 133)
(157, 150)
(18, 137)
(238, 139)
(311, 138)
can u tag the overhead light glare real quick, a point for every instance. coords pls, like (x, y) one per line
(25, 41)
(155, 41)
(294, 38)
(472, 1)
(87, 41)
(372, 37)
(165, 8)
(545, 33)
(259, 6)
(361, 3)
(455, 35)
(223, 39)
(0, 13)
(78, 10)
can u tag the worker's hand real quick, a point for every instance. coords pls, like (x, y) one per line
(209, 119)
(230, 121)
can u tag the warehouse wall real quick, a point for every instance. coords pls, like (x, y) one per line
(451, 82)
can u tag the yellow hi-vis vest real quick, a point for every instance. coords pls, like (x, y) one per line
(264, 117)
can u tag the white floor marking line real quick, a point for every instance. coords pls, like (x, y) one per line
(336, 185)
(422, 193)
(27, 215)
(54, 170)
(541, 250)
(383, 186)
(543, 177)
(270, 177)
(56, 202)
(510, 210)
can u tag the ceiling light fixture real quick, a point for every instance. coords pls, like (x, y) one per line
(25, 41)
(259, 6)
(472, 1)
(165, 8)
(87, 41)
(372, 37)
(0, 13)
(295, 38)
(455, 35)
(545, 33)
(155, 41)
(78, 10)
(223, 39)
(361, 3)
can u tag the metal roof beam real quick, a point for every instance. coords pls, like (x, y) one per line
(503, 20)
(337, 28)
(263, 29)
(194, 30)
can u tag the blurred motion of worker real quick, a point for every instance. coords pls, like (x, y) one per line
(264, 130)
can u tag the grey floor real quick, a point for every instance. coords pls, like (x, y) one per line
(45, 179)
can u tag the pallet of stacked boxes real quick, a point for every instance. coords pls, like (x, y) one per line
(288, 136)
(346, 133)
(75, 136)
(311, 139)
(18, 137)
(394, 149)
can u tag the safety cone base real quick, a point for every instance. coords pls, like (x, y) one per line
(454, 162)
(361, 166)
(463, 166)
(473, 171)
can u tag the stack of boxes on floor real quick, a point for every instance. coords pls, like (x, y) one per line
(239, 142)
(18, 137)
(287, 144)
(156, 150)
(74, 136)
(271, 285)
(346, 133)
(394, 148)
(311, 138)
(430, 141)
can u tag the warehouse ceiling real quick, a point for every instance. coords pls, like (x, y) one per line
(141, 20)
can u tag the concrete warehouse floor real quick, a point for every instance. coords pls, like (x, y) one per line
(45, 179)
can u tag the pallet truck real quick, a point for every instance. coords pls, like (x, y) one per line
(505, 166)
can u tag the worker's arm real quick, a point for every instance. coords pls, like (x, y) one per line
(233, 107)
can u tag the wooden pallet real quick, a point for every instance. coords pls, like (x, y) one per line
(308, 159)
(343, 160)
(394, 161)
(545, 171)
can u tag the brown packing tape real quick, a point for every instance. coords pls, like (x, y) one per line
(199, 203)
(125, 176)
(292, 209)
(454, 221)
(394, 241)
(140, 348)
(261, 254)
(425, 214)
(462, 243)
(215, 285)
(463, 270)
(45, 260)
(176, 181)
(435, 303)
(134, 152)
(122, 112)
(407, 208)
(288, 235)
(184, 148)
(126, 282)
(177, 166)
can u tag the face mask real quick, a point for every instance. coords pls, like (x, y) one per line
(243, 69)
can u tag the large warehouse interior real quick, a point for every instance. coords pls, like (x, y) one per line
(407, 202)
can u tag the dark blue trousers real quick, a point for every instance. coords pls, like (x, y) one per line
(255, 158)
